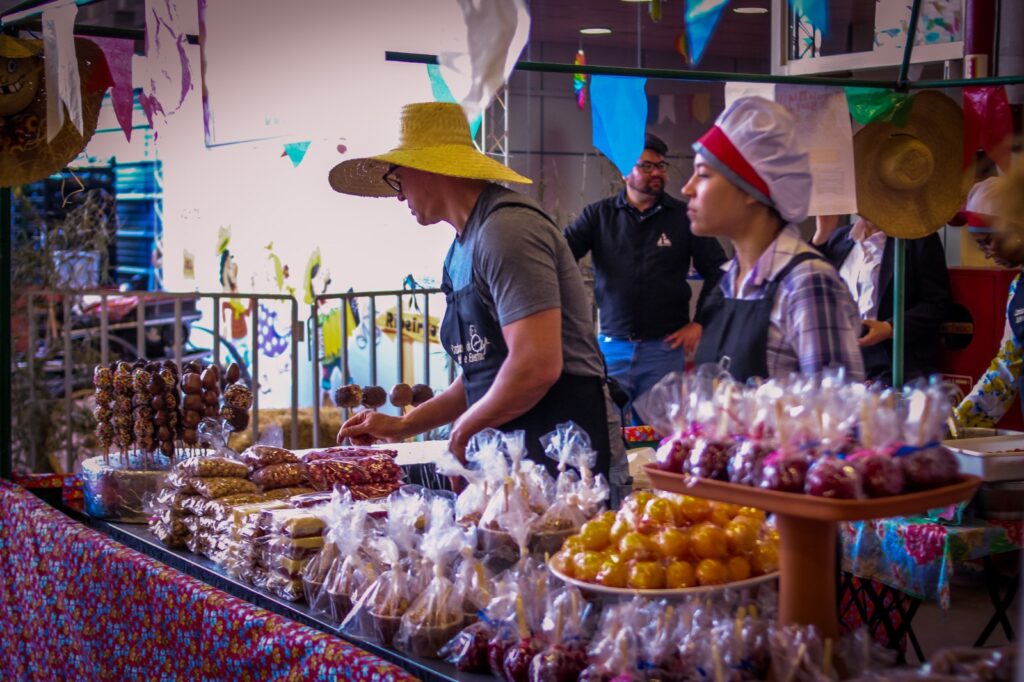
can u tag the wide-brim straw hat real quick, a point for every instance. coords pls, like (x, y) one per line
(15, 48)
(435, 138)
(910, 179)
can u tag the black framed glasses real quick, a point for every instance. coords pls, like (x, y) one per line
(650, 166)
(393, 182)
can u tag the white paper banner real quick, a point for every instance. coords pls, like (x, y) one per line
(823, 119)
(63, 87)
(168, 76)
(497, 33)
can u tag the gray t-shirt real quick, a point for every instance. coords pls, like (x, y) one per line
(523, 265)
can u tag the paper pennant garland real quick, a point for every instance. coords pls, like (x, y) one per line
(814, 11)
(169, 77)
(442, 93)
(296, 151)
(119, 53)
(869, 104)
(988, 124)
(618, 107)
(701, 19)
(497, 33)
(579, 80)
(62, 78)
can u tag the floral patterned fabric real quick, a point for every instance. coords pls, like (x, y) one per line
(75, 605)
(639, 434)
(994, 393)
(917, 556)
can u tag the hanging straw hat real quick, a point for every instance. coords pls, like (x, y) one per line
(435, 138)
(14, 48)
(910, 179)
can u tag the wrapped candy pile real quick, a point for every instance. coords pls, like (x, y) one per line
(815, 435)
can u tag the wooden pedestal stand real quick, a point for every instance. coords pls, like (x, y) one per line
(807, 534)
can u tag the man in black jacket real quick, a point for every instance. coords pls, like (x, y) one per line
(863, 255)
(642, 252)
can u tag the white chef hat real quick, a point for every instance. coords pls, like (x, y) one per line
(754, 144)
(983, 205)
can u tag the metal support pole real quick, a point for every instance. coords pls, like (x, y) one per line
(68, 386)
(399, 342)
(908, 49)
(898, 280)
(216, 330)
(105, 331)
(178, 353)
(314, 345)
(296, 338)
(343, 359)
(140, 329)
(373, 341)
(5, 333)
(426, 339)
(255, 304)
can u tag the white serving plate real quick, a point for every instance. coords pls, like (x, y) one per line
(993, 458)
(677, 593)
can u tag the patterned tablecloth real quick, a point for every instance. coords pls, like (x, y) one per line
(917, 556)
(75, 605)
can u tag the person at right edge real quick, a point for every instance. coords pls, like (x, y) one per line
(1000, 235)
(780, 307)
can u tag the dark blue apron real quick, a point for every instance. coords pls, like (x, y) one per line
(472, 337)
(738, 329)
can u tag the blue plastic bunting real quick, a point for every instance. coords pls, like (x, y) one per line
(814, 11)
(618, 108)
(296, 151)
(442, 93)
(701, 19)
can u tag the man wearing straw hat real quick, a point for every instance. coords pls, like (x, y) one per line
(517, 320)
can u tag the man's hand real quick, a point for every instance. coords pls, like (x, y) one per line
(368, 427)
(688, 337)
(877, 332)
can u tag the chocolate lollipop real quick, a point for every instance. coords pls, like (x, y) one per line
(349, 396)
(122, 408)
(237, 401)
(421, 393)
(103, 380)
(374, 397)
(192, 404)
(142, 425)
(401, 395)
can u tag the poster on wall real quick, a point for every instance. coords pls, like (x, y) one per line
(940, 21)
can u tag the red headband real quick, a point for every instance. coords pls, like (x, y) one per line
(721, 147)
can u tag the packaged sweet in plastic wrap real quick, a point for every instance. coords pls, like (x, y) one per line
(564, 629)
(926, 462)
(436, 614)
(282, 475)
(212, 488)
(380, 608)
(259, 456)
(294, 523)
(211, 467)
(116, 487)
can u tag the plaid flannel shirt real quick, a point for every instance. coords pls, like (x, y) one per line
(815, 322)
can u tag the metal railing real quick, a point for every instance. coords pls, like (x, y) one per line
(421, 300)
(140, 323)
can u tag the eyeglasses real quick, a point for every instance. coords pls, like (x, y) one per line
(650, 166)
(393, 182)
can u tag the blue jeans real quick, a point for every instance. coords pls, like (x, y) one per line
(637, 366)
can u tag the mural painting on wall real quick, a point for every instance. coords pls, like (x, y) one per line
(233, 311)
(272, 341)
(25, 153)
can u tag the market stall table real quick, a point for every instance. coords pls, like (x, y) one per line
(78, 605)
(916, 557)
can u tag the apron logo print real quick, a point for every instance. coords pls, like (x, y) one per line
(477, 346)
(664, 241)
